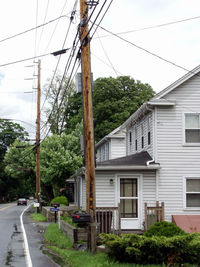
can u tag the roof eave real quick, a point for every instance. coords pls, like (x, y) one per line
(127, 167)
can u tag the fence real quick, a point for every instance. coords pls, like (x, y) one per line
(153, 214)
(108, 220)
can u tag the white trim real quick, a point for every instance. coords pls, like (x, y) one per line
(139, 178)
(183, 130)
(178, 82)
(155, 156)
(184, 192)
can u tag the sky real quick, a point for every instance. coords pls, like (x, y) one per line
(154, 41)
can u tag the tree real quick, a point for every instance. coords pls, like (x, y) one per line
(60, 157)
(114, 100)
(9, 132)
(57, 94)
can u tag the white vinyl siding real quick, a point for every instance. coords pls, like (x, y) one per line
(142, 136)
(176, 160)
(117, 148)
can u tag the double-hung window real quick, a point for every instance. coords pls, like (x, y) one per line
(192, 192)
(136, 144)
(192, 128)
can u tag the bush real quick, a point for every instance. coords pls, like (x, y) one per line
(62, 200)
(139, 249)
(164, 229)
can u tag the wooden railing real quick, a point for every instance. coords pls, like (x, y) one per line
(108, 220)
(153, 214)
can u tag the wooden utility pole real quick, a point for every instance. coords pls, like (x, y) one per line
(88, 124)
(38, 140)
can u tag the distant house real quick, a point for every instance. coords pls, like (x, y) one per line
(111, 146)
(162, 158)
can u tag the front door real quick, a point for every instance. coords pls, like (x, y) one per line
(129, 203)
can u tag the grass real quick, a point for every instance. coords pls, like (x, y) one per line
(62, 246)
(38, 217)
(68, 219)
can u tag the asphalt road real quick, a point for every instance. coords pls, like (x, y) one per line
(13, 249)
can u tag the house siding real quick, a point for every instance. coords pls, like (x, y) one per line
(117, 148)
(131, 148)
(177, 161)
(107, 194)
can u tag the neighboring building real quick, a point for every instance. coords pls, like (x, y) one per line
(162, 161)
(111, 146)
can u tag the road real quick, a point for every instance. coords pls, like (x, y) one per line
(15, 229)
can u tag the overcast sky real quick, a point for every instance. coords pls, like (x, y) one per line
(154, 32)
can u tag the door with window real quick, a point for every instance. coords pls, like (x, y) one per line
(129, 203)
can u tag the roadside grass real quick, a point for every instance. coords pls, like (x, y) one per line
(62, 246)
(38, 217)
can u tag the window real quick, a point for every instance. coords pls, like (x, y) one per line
(192, 128)
(135, 139)
(142, 135)
(128, 198)
(149, 130)
(192, 192)
(130, 138)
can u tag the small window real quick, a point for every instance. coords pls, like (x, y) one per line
(136, 139)
(192, 193)
(142, 135)
(130, 138)
(149, 131)
(192, 128)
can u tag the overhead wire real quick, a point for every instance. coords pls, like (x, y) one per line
(70, 56)
(55, 26)
(154, 26)
(46, 11)
(54, 74)
(32, 29)
(147, 51)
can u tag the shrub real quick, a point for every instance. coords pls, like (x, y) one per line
(164, 229)
(138, 249)
(62, 200)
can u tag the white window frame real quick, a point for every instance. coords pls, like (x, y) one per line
(183, 130)
(149, 131)
(185, 192)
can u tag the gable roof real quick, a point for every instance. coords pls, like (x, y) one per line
(178, 82)
(157, 100)
(140, 160)
(112, 135)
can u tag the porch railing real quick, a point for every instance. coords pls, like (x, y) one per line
(153, 214)
(108, 220)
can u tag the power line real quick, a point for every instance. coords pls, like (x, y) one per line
(154, 26)
(145, 50)
(25, 59)
(32, 29)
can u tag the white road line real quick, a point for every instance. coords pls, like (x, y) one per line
(26, 248)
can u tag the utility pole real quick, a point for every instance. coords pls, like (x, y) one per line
(88, 124)
(38, 141)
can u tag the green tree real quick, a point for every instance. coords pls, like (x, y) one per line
(57, 94)
(114, 100)
(9, 132)
(60, 157)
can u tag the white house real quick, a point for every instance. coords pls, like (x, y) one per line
(162, 161)
(111, 146)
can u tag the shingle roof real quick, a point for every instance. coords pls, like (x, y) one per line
(138, 159)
